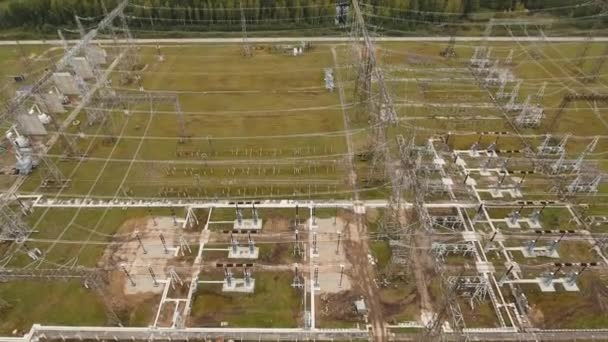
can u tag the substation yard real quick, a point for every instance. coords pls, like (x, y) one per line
(262, 132)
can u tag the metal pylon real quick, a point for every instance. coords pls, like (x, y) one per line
(247, 52)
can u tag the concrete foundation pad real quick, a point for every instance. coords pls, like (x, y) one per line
(243, 252)
(359, 209)
(470, 236)
(496, 193)
(534, 224)
(543, 251)
(515, 193)
(132, 256)
(484, 267)
(527, 253)
(427, 317)
(248, 224)
(570, 287)
(544, 286)
(539, 252)
(470, 181)
(447, 181)
(511, 224)
(485, 173)
(238, 285)
(439, 162)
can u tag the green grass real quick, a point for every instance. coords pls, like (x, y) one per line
(382, 253)
(261, 102)
(568, 310)
(257, 116)
(274, 304)
(51, 303)
(400, 302)
(24, 303)
(89, 226)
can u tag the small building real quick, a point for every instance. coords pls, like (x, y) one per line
(361, 307)
(24, 90)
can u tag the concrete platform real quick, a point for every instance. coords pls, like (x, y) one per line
(570, 287)
(544, 287)
(539, 252)
(470, 236)
(543, 251)
(485, 172)
(511, 224)
(359, 209)
(238, 285)
(243, 252)
(534, 224)
(527, 253)
(484, 267)
(496, 193)
(248, 224)
(515, 193)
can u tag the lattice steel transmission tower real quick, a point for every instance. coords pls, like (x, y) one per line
(247, 51)
(582, 52)
(11, 225)
(377, 101)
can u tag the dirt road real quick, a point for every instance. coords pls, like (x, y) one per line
(363, 274)
(421, 265)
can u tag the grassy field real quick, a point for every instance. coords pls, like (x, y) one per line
(66, 303)
(274, 304)
(66, 237)
(246, 120)
(567, 310)
(268, 121)
(265, 127)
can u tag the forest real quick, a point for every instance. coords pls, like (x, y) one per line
(46, 16)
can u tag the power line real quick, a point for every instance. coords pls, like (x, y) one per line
(488, 13)
(211, 9)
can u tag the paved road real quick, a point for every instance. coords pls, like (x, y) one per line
(317, 39)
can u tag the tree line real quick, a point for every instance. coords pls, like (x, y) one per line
(46, 16)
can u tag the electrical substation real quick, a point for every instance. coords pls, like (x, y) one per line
(356, 185)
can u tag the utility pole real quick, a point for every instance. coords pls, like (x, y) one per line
(25, 61)
(449, 51)
(382, 109)
(582, 52)
(247, 52)
(52, 176)
(597, 67)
